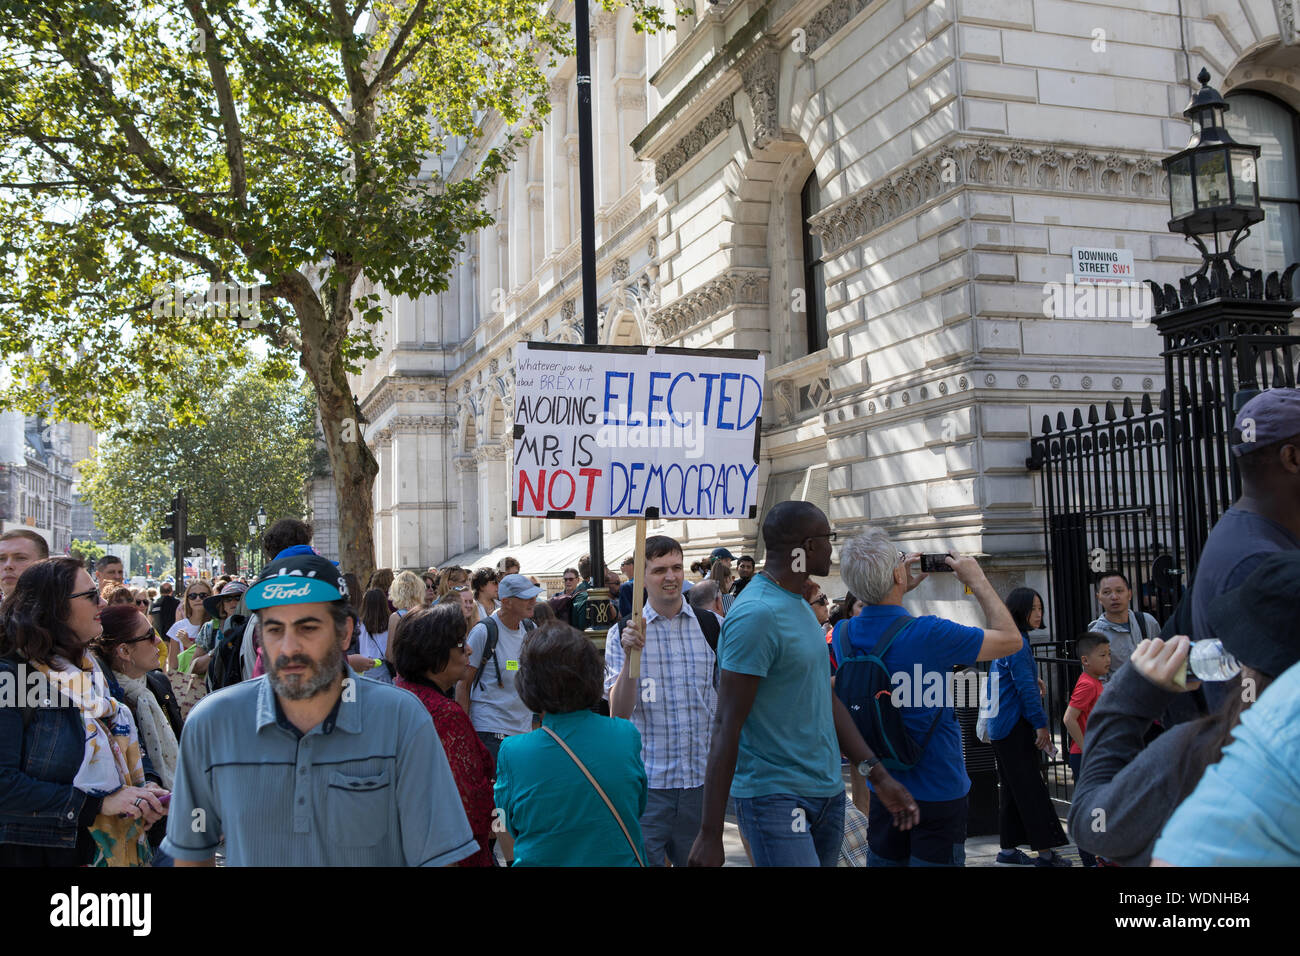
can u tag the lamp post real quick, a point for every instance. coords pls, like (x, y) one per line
(252, 544)
(1214, 181)
(261, 524)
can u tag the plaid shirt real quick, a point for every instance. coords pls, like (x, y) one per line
(853, 851)
(674, 709)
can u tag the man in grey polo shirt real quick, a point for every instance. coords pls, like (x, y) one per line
(307, 765)
(487, 692)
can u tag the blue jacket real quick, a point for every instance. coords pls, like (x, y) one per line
(38, 762)
(1017, 692)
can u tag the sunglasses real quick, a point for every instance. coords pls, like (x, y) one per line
(829, 534)
(821, 601)
(93, 594)
(142, 637)
(141, 603)
(200, 595)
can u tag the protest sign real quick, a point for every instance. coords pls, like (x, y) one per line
(636, 432)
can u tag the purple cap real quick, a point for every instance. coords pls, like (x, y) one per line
(1272, 415)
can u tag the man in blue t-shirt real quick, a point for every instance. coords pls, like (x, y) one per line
(1264, 520)
(780, 729)
(920, 661)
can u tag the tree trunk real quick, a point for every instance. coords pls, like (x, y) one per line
(354, 467)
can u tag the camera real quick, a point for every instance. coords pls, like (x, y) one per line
(935, 562)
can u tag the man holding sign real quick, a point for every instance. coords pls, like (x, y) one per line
(780, 729)
(672, 704)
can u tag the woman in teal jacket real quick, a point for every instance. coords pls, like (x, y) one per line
(554, 812)
(1018, 730)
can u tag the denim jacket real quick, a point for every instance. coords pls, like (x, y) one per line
(38, 762)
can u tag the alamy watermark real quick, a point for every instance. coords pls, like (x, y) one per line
(217, 300)
(1096, 300)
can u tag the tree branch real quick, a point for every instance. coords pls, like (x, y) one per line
(391, 67)
(225, 102)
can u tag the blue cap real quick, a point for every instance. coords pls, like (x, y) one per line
(301, 579)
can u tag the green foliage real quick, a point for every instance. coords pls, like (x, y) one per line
(88, 551)
(254, 450)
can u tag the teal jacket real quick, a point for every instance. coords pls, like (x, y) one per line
(554, 813)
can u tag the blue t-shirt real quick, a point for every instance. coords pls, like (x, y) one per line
(788, 742)
(921, 658)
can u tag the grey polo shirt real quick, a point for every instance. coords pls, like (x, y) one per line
(369, 786)
(1124, 638)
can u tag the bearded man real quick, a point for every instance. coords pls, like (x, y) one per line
(307, 765)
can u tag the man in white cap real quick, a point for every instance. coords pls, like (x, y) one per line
(487, 693)
(307, 765)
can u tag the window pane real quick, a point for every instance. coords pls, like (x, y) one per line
(1272, 244)
(1267, 124)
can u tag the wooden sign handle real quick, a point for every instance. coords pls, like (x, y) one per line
(638, 593)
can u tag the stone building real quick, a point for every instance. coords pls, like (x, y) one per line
(883, 196)
(37, 477)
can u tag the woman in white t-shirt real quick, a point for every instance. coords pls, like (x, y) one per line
(190, 618)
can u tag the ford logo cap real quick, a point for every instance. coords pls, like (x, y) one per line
(301, 579)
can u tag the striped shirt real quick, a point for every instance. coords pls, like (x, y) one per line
(677, 700)
(369, 786)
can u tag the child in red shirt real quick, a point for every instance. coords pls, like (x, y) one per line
(1094, 652)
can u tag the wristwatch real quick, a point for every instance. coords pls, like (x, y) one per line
(868, 765)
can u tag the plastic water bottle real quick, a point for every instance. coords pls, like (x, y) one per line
(1210, 661)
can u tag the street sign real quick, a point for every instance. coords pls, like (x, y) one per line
(1102, 266)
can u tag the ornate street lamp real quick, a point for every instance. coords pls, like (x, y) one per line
(1214, 182)
(261, 512)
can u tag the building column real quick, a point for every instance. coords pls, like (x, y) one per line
(520, 270)
(556, 192)
(605, 107)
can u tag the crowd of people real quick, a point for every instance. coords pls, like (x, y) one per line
(459, 716)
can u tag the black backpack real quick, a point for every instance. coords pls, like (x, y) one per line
(709, 626)
(490, 650)
(862, 683)
(226, 666)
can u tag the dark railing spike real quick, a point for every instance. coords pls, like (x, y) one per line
(1186, 292)
(1203, 289)
(1110, 410)
(1078, 419)
(1164, 397)
(1047, 424)
(1093, 418)
(1146, 402)
(1172, 301)
(1220, 281)
(1256, 283)
(1238, 284)
(1060, 422)
(1273, 287)
(1157, 296)
(1128, 407)
(1287, 287)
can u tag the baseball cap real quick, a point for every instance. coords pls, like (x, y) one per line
(1272, 415)
(1257, 621)
(232, 589)
(722, 553)
(301, 579)
(516, 585)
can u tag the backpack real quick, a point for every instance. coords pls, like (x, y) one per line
(862, 683)
(709, 626)
(490, 650)
(226, 665)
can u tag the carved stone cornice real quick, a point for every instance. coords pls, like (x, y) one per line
(558, 92)
(830, 19)
(994, 163)
(620, 271)
(718, 121)
(603, 24)
(464, 463)
(497, 451)
(702, 304)
(758, 69)
(425, 425)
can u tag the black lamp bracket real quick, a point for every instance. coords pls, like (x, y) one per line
(1228, 255)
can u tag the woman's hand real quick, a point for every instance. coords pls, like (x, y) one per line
(135, 802)
(1162, 662)
(1042, 738)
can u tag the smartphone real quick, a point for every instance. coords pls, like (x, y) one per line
(934, 562)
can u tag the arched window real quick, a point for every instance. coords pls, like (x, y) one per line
(814, 278)
(1261, 120)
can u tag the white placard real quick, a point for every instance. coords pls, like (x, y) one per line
(628, 432)
(1102, 265)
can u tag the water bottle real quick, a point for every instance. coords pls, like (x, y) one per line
(1211, 662)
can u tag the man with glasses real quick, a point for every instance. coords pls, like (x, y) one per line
(780, 731)
(924, 651)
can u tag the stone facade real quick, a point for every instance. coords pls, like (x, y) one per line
(960, 149)
(36, 492)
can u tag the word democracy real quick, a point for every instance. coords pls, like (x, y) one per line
(679, 489)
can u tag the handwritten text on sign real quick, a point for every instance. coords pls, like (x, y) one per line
(603, 433)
